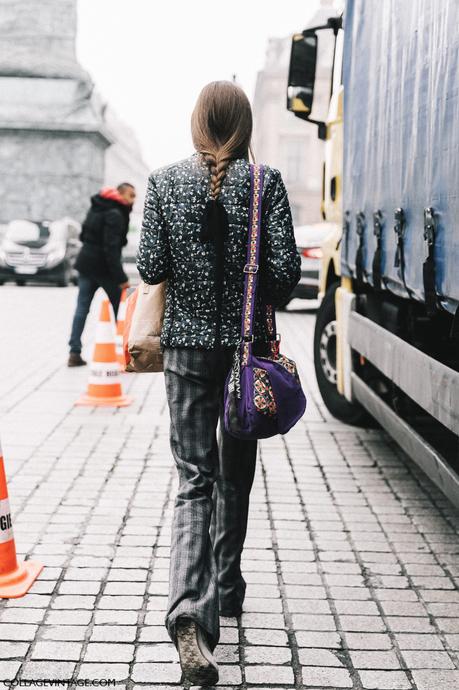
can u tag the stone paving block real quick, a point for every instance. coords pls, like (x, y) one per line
(350, 593)
(121, 617)
(267, 655)
(11, 631)
(231, 635)
(127, 574)
(417, 625)
(260, 675)
(157, 652)
(435, 679)
(385, 680)
(127, 603)
(262, 620)
(368, 641)
(395, 595)
(157, 633)
(73, 602)
(273, 638)
(419, 641)
(227, 654)
(113, 633)
(56, 670)
(65, 617)
(21, 615)
(313, 622)
(63, 632)
(12, 650)
(427, 659)
(362, 623)
(104, 671)
(375, 660)
(258, 605)
(8, 669)
(159, 672)
(328, 640)
(324, 677)
(79, 587)
(318, 657)
(310, 606)
(358, 608)
(54, 650)
(109, 652)
(40, 601)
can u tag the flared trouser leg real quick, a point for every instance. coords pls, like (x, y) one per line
(237, 461)
(193, 398)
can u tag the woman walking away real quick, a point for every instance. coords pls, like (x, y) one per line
(194, 234)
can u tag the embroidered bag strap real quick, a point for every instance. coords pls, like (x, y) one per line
(253, 254)
(274, 338)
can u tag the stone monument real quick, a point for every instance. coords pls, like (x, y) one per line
(53, 133)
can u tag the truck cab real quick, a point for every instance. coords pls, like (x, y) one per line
(386, 341)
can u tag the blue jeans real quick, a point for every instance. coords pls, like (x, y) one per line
(86, 290)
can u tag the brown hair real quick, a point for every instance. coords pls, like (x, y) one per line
(221, 128)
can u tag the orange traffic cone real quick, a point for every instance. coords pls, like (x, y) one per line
(16, 578)
(120, 330)
(104, 387)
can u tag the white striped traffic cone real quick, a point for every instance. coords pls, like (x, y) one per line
(104, 386)
(16, 577)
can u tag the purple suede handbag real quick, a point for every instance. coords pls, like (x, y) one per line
(263, 395)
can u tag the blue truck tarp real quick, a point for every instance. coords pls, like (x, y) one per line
(401, 139)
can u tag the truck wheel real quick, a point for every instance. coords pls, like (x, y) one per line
(325, 364)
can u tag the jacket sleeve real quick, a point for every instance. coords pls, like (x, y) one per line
(113, 238)
(153, 257)
(280, 267)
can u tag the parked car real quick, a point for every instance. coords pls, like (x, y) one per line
(39, 251)
(309, 240)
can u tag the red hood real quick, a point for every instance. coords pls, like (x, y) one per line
(112, 193)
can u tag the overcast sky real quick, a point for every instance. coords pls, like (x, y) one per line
(150, 58)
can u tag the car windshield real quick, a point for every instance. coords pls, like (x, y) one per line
(33, 235)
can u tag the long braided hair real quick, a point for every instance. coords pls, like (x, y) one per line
(221, 128)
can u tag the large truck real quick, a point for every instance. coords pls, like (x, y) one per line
(386, 342)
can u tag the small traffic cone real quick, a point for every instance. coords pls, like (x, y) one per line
(104, 387)
(16, 577)
(120, 330)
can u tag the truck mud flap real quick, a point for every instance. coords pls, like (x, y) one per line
(417, 448)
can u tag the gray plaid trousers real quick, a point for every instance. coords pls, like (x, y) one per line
(211, 507)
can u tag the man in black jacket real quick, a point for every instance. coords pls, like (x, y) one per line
(104, 233)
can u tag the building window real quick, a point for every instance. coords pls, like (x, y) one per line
(293, 152)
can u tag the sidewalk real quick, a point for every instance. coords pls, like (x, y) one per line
(352, 556)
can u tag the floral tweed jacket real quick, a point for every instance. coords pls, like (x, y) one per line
(171, 248)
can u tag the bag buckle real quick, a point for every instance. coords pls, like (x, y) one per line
(247, 338)
(251, 268)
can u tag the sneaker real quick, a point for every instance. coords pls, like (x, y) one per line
(75, 360)
(198, 664)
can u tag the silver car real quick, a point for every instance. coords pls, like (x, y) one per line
(309, 240)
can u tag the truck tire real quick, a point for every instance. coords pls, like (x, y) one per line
(325, 365)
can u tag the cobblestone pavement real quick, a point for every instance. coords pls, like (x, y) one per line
(351, 557)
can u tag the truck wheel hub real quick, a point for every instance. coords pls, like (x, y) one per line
(328, 351)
